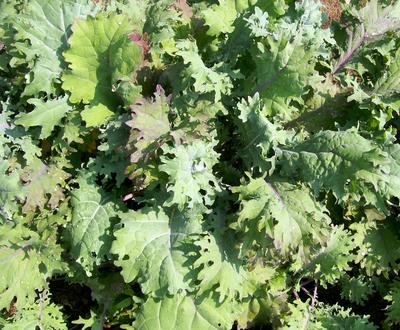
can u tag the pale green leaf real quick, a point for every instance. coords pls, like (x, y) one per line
(182, 312)
(284, 213)
(47, 26)
(92, 211)
(206, 79)
(26, 264)
(190, 172)
(150, 249)
(41, 315)
(220, 269)
(100, 55)
(389, 83)
(219, 18)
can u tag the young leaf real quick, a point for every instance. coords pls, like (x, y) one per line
(190, 174)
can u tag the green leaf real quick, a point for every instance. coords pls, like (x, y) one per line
(150, 249)
(190, 173)
(334, 258)
(393, 310)
(302, 316)
(27, 263)
(112, 158)
(219, 18)
(89, 229)
(220, 269)
(182, 312)
(10, 186)
(344, 162)
(101, 55)
(389, 83)
(378, 19)
(46, 24)
(43, 315)
(257, 133)
(46, 114)
(378, 246)
(284, 213)
(285, 65)
(356, 289)
(207, 79)
(43, 185)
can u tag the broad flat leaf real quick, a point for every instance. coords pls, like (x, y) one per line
(46, 24)
(150, 122)
(185, 313)
(190, 172)
(345, 163)
(46, 114)
(26, 264)
(150, 250)
(101, 54)
(89, 228)
(286, 213)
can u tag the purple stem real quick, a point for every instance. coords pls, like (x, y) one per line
(268, 82)
(350, 53)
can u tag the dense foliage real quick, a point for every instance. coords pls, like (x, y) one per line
(172, 164)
